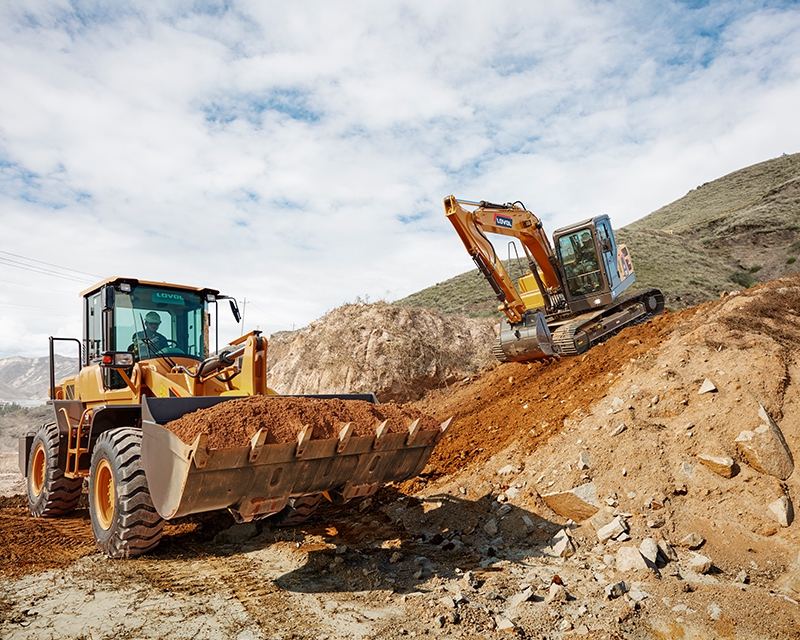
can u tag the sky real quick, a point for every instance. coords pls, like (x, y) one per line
(296, 155)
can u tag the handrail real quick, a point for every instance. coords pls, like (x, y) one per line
(53, 361)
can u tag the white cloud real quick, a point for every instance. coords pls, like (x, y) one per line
(297, 155)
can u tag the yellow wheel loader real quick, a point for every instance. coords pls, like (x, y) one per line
(145, 362)
(570, 298)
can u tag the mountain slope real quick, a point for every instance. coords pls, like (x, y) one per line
(28, 379)
(730, 233)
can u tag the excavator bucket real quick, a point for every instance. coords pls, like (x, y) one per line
(257, 480)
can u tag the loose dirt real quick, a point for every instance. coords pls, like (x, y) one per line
(467, 550)
(233, 423)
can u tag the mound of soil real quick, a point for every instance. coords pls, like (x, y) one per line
(398, 353)
(234, 423)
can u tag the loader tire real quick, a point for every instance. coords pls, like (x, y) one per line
(297, 511)
(50, 493)
(124, 521)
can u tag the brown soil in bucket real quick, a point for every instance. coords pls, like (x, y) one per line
(233, 423)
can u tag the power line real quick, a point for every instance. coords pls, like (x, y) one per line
(50, 264)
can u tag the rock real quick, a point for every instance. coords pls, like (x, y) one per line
(601, 518)
(782, 510)
(649, 550)
(577, 504)
(565, 625)
(629, 559)
(515, 601)
(622, 426)
(562, 545)
(504, 624)
(707, 387)
(714, 611)
(237, 534)
(693, 541)
(341, 549)
(470, 580)
(667, 552)
(582, 630)
(742, 577)
(686, 469)
(637, 594)
(616, 590)
(656, 521)
(765, 448)
(491, 527)
(395, 557)
(613, 529)
(723, 466)
(583, 460)
(512, 492)
(507, 470)
(617, 404)
(557, 594)
(699, 563)
(448, 602)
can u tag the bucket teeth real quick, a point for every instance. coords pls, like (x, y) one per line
(413, 431)
(303, 438)
(257, 444)
(344, 437)
(380, 432)
(444, 427)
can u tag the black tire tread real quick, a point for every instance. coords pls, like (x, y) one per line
(138, 527)
(60, 494)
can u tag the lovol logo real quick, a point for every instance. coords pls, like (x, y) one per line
(502, 221)
(164, 296)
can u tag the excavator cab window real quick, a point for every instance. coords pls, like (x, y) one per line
(581, 264)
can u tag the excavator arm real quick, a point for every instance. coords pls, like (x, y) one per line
(509, 220)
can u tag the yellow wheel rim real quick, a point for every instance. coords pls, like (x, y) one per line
(38, 470)
(104, 494)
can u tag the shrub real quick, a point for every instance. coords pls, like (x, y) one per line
(791, 260)
(742, 278)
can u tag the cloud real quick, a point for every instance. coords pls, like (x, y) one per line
(297, 155)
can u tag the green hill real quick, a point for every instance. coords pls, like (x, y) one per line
(726, 234)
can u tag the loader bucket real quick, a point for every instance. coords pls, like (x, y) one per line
(257, 480)
(528, 340)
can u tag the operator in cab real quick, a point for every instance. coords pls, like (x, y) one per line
(149, 342)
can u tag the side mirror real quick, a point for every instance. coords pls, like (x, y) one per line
(235, 310)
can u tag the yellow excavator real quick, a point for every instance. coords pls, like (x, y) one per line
(570, 297)
(144, 362)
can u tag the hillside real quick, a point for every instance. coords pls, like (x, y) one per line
(731, 233)
(28, 379)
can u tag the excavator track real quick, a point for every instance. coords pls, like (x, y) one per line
(578, 335)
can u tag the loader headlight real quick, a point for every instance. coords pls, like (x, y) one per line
(597, 301)
(117, 359)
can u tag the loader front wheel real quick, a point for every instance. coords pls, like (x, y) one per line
(124, 521)
(297, 511)
(50, 493)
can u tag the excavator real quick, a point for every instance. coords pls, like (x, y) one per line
(570, 297)
(145, 361)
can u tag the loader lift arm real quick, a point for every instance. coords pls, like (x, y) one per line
(509, 220)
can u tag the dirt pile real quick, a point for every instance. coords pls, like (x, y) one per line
(233, 423)
(646, 427)
(396, 352)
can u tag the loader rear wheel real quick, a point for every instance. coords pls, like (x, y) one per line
(124, 521)
(50, 493)
(297, 511)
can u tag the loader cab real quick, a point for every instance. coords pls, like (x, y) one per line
(115, 314)
(589, 266)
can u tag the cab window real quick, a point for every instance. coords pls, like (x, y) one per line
(581, 266)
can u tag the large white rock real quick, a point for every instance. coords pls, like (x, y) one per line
(782, 510)
(577, 504)
(649, 549)
(700, 563)
(629, 559)
(765, 448)
(613, 529)
(562, 545)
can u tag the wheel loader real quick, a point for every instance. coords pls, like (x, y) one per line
(144, 363)
(570, 297)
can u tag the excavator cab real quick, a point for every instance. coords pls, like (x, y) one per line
(588, 256)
